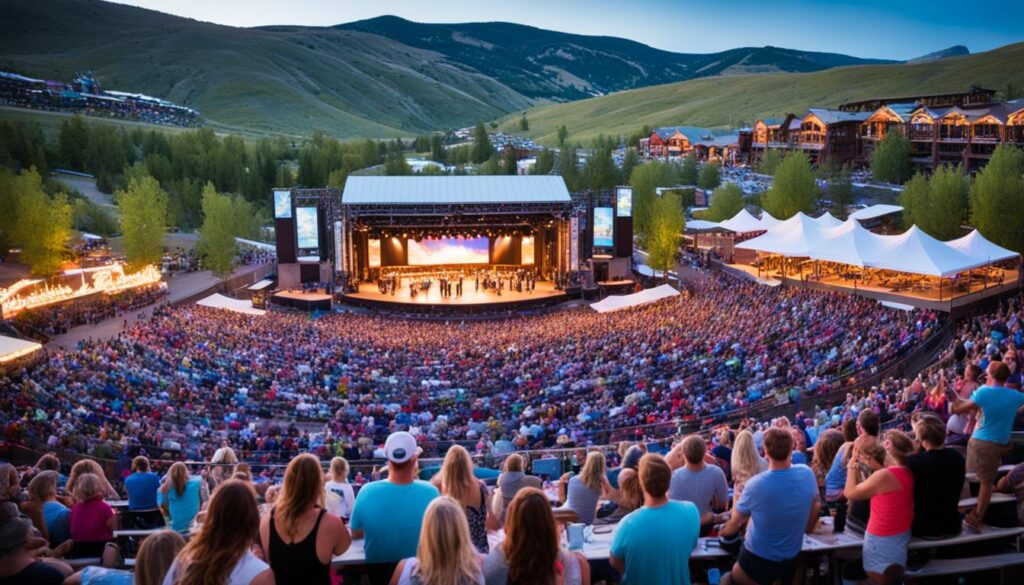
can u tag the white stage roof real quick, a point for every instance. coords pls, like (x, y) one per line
(12, 348)
(363, 190)
(877, 210)
(974, 244)
(743, 222)
(218, 301)
(644, 297)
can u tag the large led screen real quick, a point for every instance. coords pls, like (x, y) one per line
(528, 250)
(374, 253)
(603, 227)
(282, 204)
(624, 202)
(432, 251)
(307, 228)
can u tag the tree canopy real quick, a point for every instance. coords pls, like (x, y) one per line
(793, 188)
(667, 224)
(891, 160)
(644, 180)
(33, 221)
(997, 197)
(224, 218)
(770, 161)
(726, 202)
(710, 176)
(143, 207)
(689, 173)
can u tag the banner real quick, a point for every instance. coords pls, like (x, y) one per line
(624, 202)
(603, 227)
(282, 204)
(574, 243)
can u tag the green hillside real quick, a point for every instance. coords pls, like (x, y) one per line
(290, 80)
(739, 100)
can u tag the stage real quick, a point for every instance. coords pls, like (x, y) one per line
(471, 300)
(306, 301)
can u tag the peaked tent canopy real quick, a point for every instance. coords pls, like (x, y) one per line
(219, 301)
(975, 245)
(743, 222)
(828, 220)
(797, 236)
(877, 210)
(918, 253)
(644, 297)
(768, 220)
(12, 348)
(850, 243)
(701, 225)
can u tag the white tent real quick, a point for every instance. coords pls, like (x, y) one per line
(12, 348)
(257, 245)
(644, 297)
(849, 243)
(918, 253)
(88, 236)
(797, 236)
(743, 222)
(828, 220)
(700, 225)
(218, 301)
(877, 210)
(768, 220)
(975, 245)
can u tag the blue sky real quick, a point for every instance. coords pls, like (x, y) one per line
(895, 29)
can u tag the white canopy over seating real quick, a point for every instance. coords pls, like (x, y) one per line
(745, 222)
(219, 301)
(646, 296)
(850, 243)
(974, 244)
(918, 253)
(768, 220)
(12, 348)
(797, 236)
(876, 210)
(828, 220)
(702, 225)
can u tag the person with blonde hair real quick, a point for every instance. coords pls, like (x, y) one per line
(512, 479)
(182, 497)
(338, 484)
(446, 554)
(531, 553)
(459, 483)
(581, 493)
(745, 463)
(219, 553)
(88, 466)
(223, 460)
(154, 558)
(298, 537)
(93, 521)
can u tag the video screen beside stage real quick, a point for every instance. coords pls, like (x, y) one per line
(603, 234)
(374, 253)
(624, 202)
(282, 204)
(428, 252)
(528, 250)
(307, 227)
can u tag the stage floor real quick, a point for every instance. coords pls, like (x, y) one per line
(302, 296)
(470, 296)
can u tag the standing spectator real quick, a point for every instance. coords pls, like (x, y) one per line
(388, 514)
(582, 492)
(142, 486)
(531, 553)
(459, 483)
(18, 562)
(183, 496)
(959, 426)
(154, 558)
(446, 554)
(42, 503)
(93, 521)
(938, 480)
(219, 553)
(782, 503)
(653, 544)
(338, 484)
(299, 537)
(998, 406)
(696, 481)
(891, 492)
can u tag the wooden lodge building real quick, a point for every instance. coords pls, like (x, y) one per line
(954, 128)
(680, 141)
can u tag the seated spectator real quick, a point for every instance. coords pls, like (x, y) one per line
(93, 521)
(938, 480)
(630, 459)
(50, 462)
(745, 463)
(42, 503)
(224, 459)
(338, 484)
(891, 492)
(19, 564)
(581, 493)
(781, 504)
(631, 496)
(799, 444)
(722, 452)
(512, 479)
(697, 482)
(89, 466)
(388, 514)
(182, 497)
(825, 450)
(141, 485)
(219, 552)
(459, 483)
(531, 552)
(446, 554)
(10, 484)
(154, 558)
(299, 537)
(653, 543)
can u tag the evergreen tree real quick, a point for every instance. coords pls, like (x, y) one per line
(73, 143)
(891, 160)
(482, 149)
(396, 165)
(710, 176)
(437, 149)
(563, 135)
(600, 172)
(770, 161)
(666, 229)
(509, 162)
(645, 179)
(793, 188)
(840, 191)
(568, 166)
(545, 162)
(726, 202)
(143, 208)
(629, 162)
(997, 197)
(524, 125)
(689, 174)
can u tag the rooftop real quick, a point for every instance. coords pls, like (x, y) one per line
(455, 190)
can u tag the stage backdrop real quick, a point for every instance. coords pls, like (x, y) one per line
(427, 251)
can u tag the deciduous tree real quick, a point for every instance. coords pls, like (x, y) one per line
(997, 197)
(710, 176)
(666, 228)
(793, 188)
(891, 160)
(726, 202)
(143, 209)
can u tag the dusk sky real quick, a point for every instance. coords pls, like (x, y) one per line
(894, 29)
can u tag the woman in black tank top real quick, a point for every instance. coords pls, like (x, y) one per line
(298, 562)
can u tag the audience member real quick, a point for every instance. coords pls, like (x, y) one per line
(581, 493)
(938, 480)
(52, 518)
(458, 482)
(19, 564)
(338, 484)
(745, 462)
(89, 466)
(512, 479)
(182, 496)
(93, 521)
(446, 554)
(697, 482)
(154, 558)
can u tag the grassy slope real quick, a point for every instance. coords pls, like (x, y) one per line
(49, 122)
(731, 101)
(288, 81)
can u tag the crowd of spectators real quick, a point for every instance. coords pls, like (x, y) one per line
(59, 318)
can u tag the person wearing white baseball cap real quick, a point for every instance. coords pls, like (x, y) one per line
(388, 513)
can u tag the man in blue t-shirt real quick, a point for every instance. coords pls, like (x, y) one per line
(141, 485)
(781, 504)
(388, 513)
(653, 544)
(998, 405)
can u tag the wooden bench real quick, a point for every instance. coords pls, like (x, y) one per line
(997, 498)
(973, 477)
(941, 567)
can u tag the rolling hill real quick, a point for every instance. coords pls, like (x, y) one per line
(556, 66)
(289, 81)
(729, 101)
